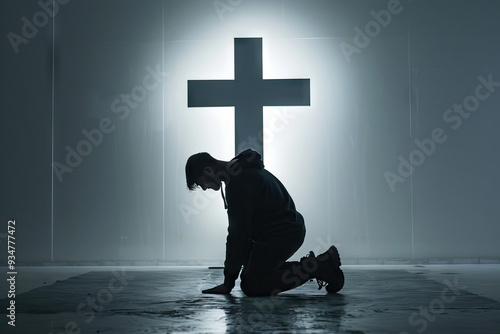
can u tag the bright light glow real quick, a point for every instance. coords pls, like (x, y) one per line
(125, 197)
(293, 136)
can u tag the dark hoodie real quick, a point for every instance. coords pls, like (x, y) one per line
(259, 208)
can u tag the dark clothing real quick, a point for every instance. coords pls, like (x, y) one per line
(267, 272)
(264, 229)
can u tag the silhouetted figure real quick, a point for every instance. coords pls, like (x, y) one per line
(264, 231)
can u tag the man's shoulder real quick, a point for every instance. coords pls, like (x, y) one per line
(249, 175)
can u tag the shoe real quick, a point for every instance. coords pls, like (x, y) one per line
(328, 270)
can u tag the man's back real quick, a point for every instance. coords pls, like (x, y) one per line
(258, 201)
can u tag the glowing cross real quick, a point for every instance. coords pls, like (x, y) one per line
(248, 93)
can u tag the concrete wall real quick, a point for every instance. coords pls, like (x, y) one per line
(108, 80)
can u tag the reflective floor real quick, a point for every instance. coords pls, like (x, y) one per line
(376, 299)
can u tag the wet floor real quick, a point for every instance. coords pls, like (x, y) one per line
(375, 299)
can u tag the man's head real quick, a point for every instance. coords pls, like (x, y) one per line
(200, 171)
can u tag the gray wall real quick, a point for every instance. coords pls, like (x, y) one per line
(126, 198)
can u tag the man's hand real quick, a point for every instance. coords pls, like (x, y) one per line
(219, 289)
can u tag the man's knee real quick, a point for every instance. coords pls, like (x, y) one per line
(252, 288)
(248, 287)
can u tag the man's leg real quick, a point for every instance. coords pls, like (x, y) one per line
(267, 272)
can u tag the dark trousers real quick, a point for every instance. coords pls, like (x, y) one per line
(266, 271)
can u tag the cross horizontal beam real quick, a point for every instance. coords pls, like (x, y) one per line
(248, 92)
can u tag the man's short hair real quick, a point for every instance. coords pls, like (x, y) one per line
(195, 166)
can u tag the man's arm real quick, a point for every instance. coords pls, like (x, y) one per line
(241, 198)
(236, 248)
(242, 195)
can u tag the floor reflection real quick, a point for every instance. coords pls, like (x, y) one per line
(375, 300)
(288, 312)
